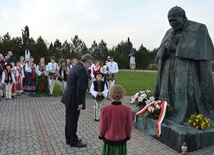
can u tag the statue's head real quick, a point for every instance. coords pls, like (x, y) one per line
(177, 18)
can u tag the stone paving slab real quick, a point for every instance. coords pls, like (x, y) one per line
(35, 126)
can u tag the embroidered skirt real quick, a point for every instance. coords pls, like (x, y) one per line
(42, 85)
(29, 83)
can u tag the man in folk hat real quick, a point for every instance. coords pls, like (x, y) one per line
(8, 79)
(112, 69)
(99, 91)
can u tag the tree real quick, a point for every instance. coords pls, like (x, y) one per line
(141, 58)
(40, 50)
(78, 47)
(103, 51)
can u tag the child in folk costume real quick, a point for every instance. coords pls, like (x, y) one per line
(19, 78)
(13, 69)
(115, 124)
(63, 74)
(99, 91)
(8, 79)
(42, 82)
(53, 72)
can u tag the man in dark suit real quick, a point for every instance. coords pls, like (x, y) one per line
(74, 99)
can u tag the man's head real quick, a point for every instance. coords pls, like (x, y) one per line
(63, 62)
(87, 60)
(111, 58)
(8, 66)
(10, 53)
(177, 18)
(52, 59)
(99, 76)
(75, 61)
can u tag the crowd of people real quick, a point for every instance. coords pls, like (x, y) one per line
(29, 77)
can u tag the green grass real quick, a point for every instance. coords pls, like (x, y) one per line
(133, 81)
(57, 92)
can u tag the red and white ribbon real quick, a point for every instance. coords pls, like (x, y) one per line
(161, 116)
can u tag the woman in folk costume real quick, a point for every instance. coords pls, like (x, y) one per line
(63, 74)
(8, 79)
(42, 83)
(53, 72)
(19, 78)
(22, 65)
(30, 77)
(96, 69)
(13, 69)
(99, 91)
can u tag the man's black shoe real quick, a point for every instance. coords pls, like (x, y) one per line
(68, 143)
(78, 144)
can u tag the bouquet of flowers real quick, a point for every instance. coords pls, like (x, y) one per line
(198, 121)
(142, 98)
(154, 110)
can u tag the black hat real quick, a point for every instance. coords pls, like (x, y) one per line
(7, 65)
(98, 74)
(110, 57)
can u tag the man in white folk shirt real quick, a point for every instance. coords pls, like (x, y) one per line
(53, 72)
(112, 69)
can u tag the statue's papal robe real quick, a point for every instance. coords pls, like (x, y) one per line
(185, 80)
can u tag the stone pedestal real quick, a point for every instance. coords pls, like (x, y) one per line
(174, 134)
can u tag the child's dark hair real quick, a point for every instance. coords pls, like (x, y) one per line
(117, 92)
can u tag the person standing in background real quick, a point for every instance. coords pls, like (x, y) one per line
(63, 75)
(112, 69)
(53, 71)
(2, 87)
(8, 79)
(42, 82)
(19, 78)
(30, 77)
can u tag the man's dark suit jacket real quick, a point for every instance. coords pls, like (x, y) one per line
(77, 84)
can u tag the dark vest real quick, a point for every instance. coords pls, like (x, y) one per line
(8, 75)
(99, 86)
(65, 75)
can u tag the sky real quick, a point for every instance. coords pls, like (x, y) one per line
(143, 21)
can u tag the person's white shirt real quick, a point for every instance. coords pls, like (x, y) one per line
(17, 69)
(39, 72)
(112, 67)
(52, 67)
(91, 68)
(28, 68)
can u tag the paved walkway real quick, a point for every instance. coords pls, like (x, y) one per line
(35, 126)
